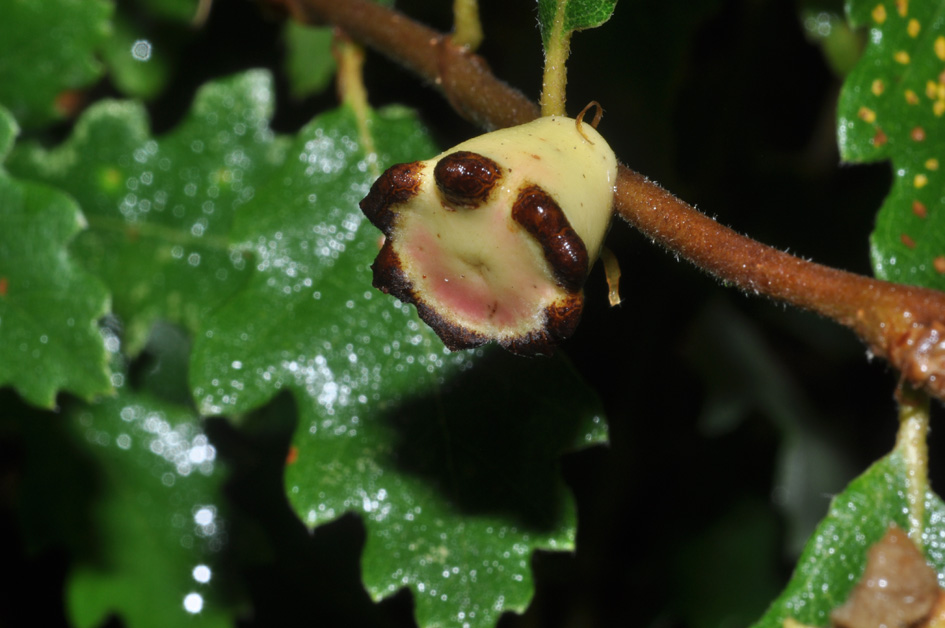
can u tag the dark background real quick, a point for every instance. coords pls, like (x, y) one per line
(683, 518)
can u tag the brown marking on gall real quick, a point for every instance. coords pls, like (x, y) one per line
(389, 276)
(4, 285)
(880, 137)
(939, 264)
(292, 456)
(545, 221)
(917, 134)
(919, 209)
(396, 186)
(909, 242)
(561, 318)
(465, 179)
(454, 336)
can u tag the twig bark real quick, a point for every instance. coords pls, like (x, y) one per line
(903, 324)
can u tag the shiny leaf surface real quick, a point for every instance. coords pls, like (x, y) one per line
(449, 458)
(49, 308)
(892, 107)
(158, 517)
(160, 210)
(835, 555)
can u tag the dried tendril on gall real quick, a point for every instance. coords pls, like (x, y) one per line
(493, 239)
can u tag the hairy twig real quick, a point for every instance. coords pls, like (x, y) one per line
(905, 325)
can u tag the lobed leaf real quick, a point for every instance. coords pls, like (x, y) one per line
(47, 51)
(49, 308)
(578, 15)
(836, 553)
(891, 107)
(160, 210)
(449, 458)
(158, 519)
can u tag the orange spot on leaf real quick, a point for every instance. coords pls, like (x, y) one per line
(878, 87)
(4, 284)
(920, 181)
(866, 114)
(939, 46)
(909, 242)
(913, 28)
(879, 138)
(293, 455)
(931, 163)
(903, 7)
(917, 134)
(919, 209)
(939, 264)
(69, 102)
(902, 57)
(879, 13)
(911, 97)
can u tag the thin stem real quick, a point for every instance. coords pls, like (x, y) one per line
(912, 443)
(555, 80)
(903, 324)
(467, 29)
(351, 90)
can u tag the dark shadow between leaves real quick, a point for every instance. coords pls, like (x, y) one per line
(491, 438)
(288, 571)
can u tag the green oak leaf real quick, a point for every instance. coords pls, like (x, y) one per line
(47, 49)
(138, 59)
(578, 15)
(892, 106)
(157, 517)
(309, 64)
(449, 458)
(836, 553)
(160, 210)
(49, 308)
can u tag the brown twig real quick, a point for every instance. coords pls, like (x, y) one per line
(905, 325)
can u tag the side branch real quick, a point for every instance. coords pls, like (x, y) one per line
(905, 325)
